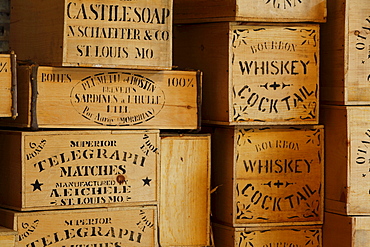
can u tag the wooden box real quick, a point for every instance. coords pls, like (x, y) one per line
(57, 97)
(347, 159)
(93, 33)
(260, 74)
(8, 85)
(184, 212)
(115, 226)
(345, 70)
(267, 176)
(193, 11)
(346, 231)
(46, 170)
(7, 237)
(291, 236)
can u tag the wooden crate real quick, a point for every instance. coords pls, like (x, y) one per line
(346, 231)
(7, 237)
(60, 97)
(260, 74)
(347, 160)
(267, 176)
(115, 226)
(184, 212)
(345, 70)
(291, 236)
(46, 170)
(193, 11)
(8, 85)
(93, 33)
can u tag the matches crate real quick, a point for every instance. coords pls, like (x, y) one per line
(8, 85)
(347, 159)
(93, 33)
(184, 213)
(196, 11)
(59, 97)
(114, 226)
(346, 231)
(345, 70)
(267, 176)
(46, 170)
(225, 236)
(254, 74)
(7, 237)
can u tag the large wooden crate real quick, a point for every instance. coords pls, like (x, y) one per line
(192, 11)
(345, 70)
(115, 226)
(288, 236)
(346, 231)
(7, 237)
(8, 86)
(184, 212)
(78, 169)
(57, 97)
(267, 176)
(347, 159)
(260, 74)
(93, 33)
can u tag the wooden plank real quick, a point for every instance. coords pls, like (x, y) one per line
(7, 237)
(184, 212)
(49, 170)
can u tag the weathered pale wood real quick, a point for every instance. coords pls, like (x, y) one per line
(114, 226)
(8, 84)
(184, 212)
(226, 236)
(107, 98)
(48, 170)
(347, 159)
(195, 11)
(7, 237)
(267, 176)
(254, 74)
(93, 33)
(345, 60)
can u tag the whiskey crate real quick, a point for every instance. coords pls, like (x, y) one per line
(346, 231)
(46, 170)
(7, 237)
(92, 33)
(193, 11)
(256, 74)
(8, 85)
(267, 176)
(58, 97)
(114, 226)
(347, 160)
(184, 212)
(226, 236)
(344, 74)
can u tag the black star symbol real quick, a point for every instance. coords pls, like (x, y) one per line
(147, 181)
(37, 185)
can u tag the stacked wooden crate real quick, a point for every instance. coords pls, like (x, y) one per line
(260, 102)
(346, 114)
(96, 89)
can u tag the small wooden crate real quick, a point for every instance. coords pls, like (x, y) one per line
(7, 237)
(8, 85)
(78, 169)
(345, 70)
(260, 74)
(93, 33)
(226, 236)
(184, 212)
(115, 226)
(193, 11)
(347, 159)
(57, 97)
(267, 176)
(346, 231)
